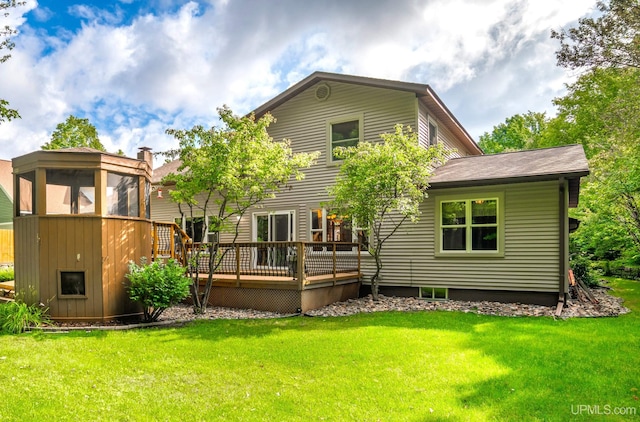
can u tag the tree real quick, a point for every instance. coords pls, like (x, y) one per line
(74, 132)
(381, 185)
(601, 107)
(522, 131)
(225, 171)
(601, 112)
(6, 43)
(611, 40)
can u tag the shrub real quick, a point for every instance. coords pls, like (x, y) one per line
(17, 317)
(582, 271)
(157, 286)
(622, 269)
(6, 274)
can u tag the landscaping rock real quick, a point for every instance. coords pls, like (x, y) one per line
(607, 306)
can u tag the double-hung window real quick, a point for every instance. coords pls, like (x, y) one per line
(471, 226)
(344, 132)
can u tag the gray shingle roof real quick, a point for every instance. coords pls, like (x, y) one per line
(164, 170)
(540, 164)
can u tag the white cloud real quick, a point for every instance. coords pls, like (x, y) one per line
(488, 60)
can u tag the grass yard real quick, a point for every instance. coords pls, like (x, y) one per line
(372, 367)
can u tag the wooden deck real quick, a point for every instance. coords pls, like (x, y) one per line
(286, 277)
(282, 282)
(7, 290)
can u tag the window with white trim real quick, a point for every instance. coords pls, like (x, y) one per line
(344, 132)
(471, 226)
(434, 293)
(327, 227)
(193, 227)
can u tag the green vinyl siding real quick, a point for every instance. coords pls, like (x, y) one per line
(6, 211)
(531, 245)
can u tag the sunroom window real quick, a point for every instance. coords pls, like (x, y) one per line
(470, 225)
(70, 191)
(122, 195)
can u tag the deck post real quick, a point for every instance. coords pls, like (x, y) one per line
(155, 241)
(172, 242)
(300, 252)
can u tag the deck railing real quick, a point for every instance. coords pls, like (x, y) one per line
(288, 260)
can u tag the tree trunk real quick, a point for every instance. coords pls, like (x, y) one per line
(375, 278)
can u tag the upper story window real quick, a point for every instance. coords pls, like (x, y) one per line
(343, 132)
(123, 195)
(433, 133)
(70, 191)
(471, 225)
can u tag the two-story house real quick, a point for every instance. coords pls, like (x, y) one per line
(494, 227)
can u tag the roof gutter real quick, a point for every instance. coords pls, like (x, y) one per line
(506, 180)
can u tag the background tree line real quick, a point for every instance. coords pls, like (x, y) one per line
(601, 111)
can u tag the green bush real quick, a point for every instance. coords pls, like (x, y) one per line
(621, 269)
(17, 317)
(157, 286)
(582, 271)
(6, 274)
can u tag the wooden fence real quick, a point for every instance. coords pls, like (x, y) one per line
(6, 246)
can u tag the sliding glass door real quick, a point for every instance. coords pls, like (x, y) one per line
(273, 227)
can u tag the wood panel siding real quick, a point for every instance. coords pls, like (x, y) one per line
(530, 260)
(124, 240)
(27, 258)
(6, 246)
(99, 247)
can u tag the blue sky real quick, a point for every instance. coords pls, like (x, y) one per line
(135, 68)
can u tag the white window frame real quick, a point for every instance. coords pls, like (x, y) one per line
(342, 119)
(468, 251)
(254, 234)
(433, 297)
(292, 222)
(354, 230)
(183, 221)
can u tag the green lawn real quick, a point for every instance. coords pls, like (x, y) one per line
(372, 367)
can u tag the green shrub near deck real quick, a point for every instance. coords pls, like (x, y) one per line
(157, 286)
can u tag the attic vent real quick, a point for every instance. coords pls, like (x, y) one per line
(322, 92)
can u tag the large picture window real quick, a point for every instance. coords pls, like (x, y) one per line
(345, 132)
(470, 225)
